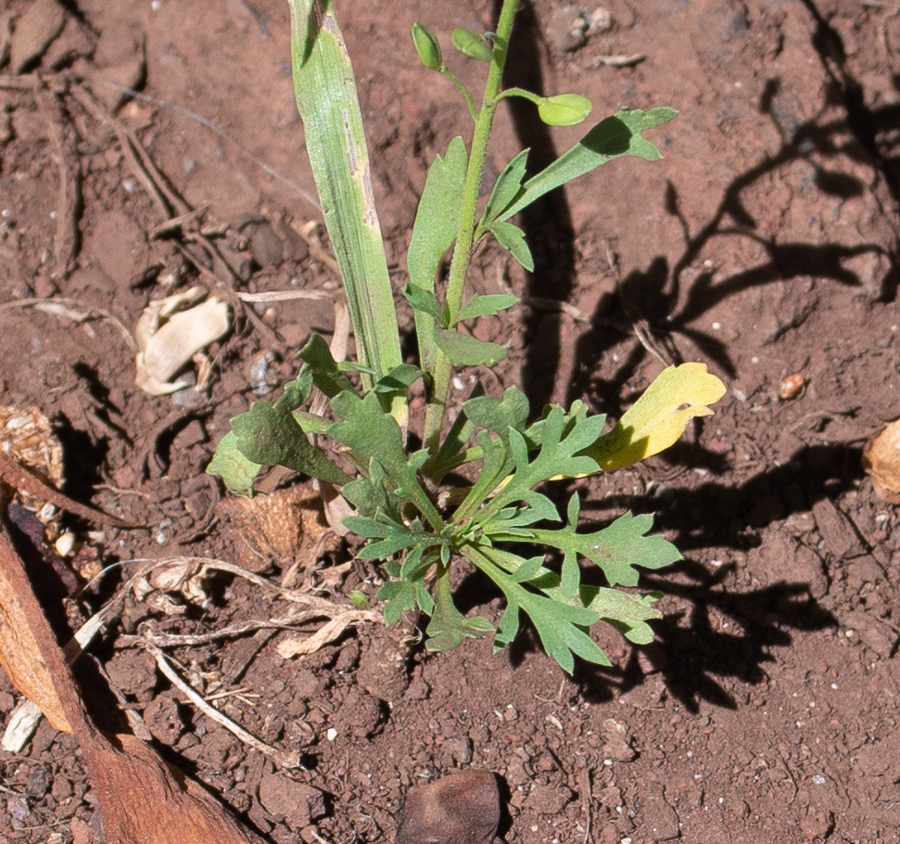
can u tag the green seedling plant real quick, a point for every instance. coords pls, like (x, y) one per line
(410, 506)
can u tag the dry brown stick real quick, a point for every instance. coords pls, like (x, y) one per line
(18, 477)
(68, 204)
(170, 204)
(72, 309)
(271, 336)
(140, 797)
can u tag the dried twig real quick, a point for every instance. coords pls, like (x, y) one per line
(68, 204)
(618, 61)
(75, 311)
(285, 758)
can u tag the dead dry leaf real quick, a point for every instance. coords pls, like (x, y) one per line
(285, 526)
(171, 332)
(881, 459)
(20, 654)
(327, 633)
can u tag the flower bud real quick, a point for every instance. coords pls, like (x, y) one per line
(472, 45)
(427, 47)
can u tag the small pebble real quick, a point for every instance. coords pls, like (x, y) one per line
(791, 386)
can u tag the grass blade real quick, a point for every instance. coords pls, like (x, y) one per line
(328, 103)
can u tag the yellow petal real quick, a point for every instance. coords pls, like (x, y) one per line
(658, 418)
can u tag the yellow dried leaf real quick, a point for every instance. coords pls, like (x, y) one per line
(658, 418)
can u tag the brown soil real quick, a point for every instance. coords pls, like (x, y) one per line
(764, 244)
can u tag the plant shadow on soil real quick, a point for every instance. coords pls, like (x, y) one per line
(658, 295)
(669, 309)
(690, 656)
(716, 515)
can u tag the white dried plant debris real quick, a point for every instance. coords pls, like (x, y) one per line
(327, 633)
(171, 332)
(185, 575)
(21, 726)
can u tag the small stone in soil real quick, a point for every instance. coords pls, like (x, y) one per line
(294, 802)
(548, 799)
(462, 808)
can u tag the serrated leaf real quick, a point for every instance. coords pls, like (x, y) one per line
(512, 239)
(559, 625)
(270, 438)
(233, 467)
(493, 303)
(399, 597)
(658, 418)
(612, 138)
(626, 611)
(471, 44)
(616, 549)
(507, 187)
(370, 496)
(577, 413)
(374, 434)
(325, 373)
(295, 392)
(464, 350)
(561, 441)
(499, 415)
(448, 626)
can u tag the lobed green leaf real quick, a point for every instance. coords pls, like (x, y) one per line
(616, 549)
(614, 137)
(270, 438)
(512, 239)
(235, 469)
(325, 373)
(373, 434)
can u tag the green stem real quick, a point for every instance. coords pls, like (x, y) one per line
(470, 104)
(462, 252)
(520, 92)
